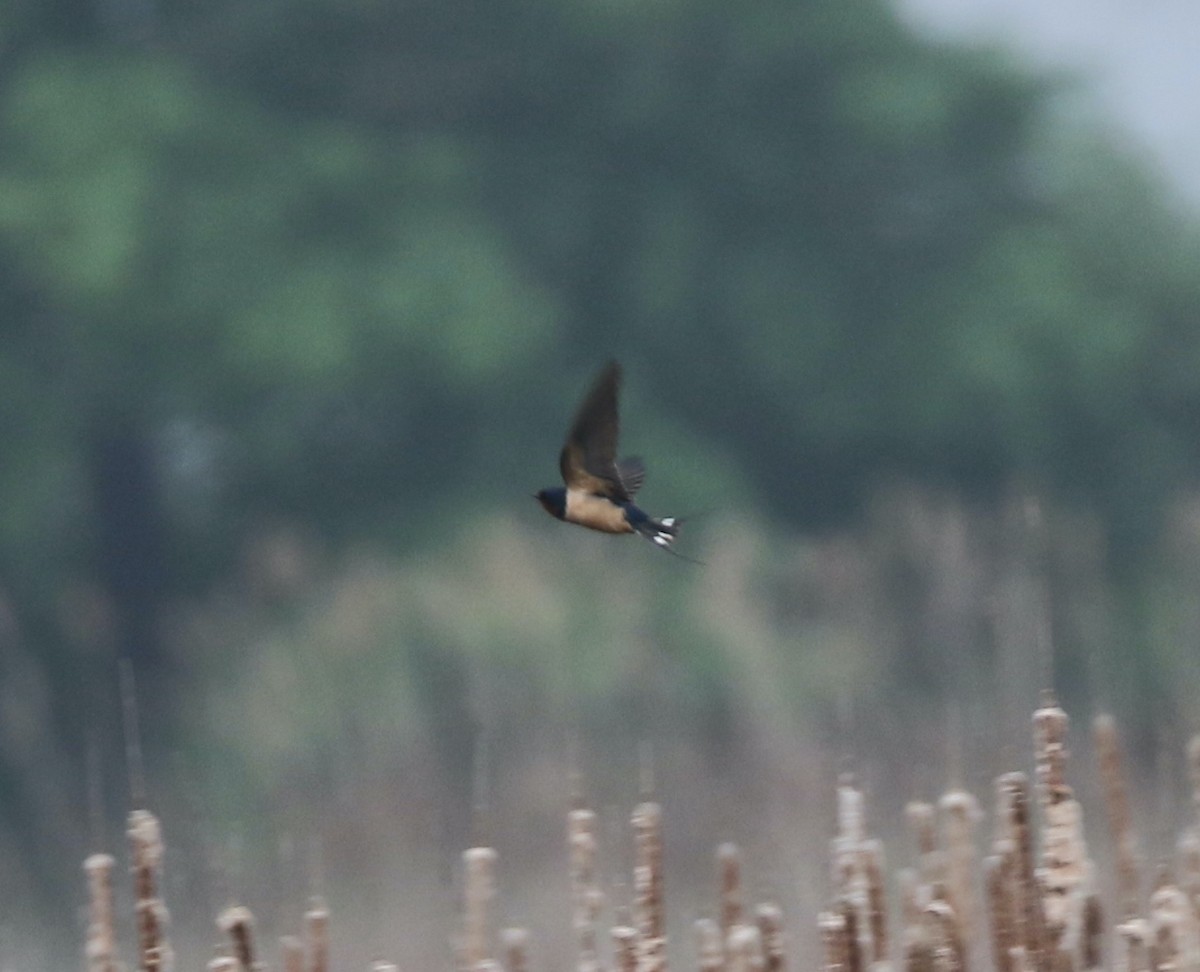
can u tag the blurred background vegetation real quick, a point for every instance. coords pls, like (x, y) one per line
(298, 296)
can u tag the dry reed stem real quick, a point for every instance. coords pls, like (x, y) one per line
(1135, 933)
(1188, 855)
(960, 815)
(874, 871)
(729, 871)
(1092, 950)
(931, 863)
(145, 838)
(222, 963)
(587, 899)
(479, 891)
(1027, 896)
(381, 965)
(291, 953)
(1193, 757)
(1120, 820)
(998, 881)
(744, 949)
(1174, 936)
(316, 926)
(101, 943)
(949, 953)
(774, 941)
(1065, 868)
(649, 912)
(515, 942)
(238, 924)
(710, 949)
(835, 939)
(625, 950)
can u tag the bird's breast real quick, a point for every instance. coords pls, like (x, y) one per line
(596, 512)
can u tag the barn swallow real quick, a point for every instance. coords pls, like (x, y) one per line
(598, 491)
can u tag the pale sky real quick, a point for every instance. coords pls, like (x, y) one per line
(1140, 57)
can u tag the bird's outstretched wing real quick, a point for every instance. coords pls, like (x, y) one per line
(588, 459)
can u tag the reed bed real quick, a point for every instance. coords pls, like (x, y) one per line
(1029, 903)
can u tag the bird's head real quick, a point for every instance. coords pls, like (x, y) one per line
(553, 500)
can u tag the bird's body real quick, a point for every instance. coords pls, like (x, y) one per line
(598, 491)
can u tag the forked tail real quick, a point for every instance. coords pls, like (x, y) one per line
(662, 532)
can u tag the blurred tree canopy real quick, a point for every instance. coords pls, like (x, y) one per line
(348, 263)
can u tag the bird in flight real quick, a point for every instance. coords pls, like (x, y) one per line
(598, 491)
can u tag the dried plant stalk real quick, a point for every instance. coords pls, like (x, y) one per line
(587, 899)
(1174, 936)
(774, 942)
(625, 950)
(479, 892)
(729, 870)
(744, 949)
(836, 941)
(1120, 820)
(515, 942)
(1092, 950)
(222, 963)
(710, 949)
(238, 924)
(960, 815)
(1193, 756)
(998, 879)
(873, 869)
(1013, 791)
(101, 944)
(379, 965)
(291, 953)
(921, 822)
(316, 925)
(949, 954)
(1065, 868)
(1135, 933)
(649, 912)
(145, 837)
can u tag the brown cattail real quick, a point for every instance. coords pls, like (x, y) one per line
(710, 949)
(873, 869)
(1174, 938)
(625, 950)
(1188, 854)
(774, 942)
(1065, 867)
(1120, 821)
(960, 814)
(1092, 950)
(238, 924)
(291, 953)
(587, 899)
(998, 880)
(316, 924)
(1013, 790)
(101, 947)
(515, 942)
(729, 869)
(744, 949)
(649, 914)
(145, 837)
(835, 940)
(949, 955)
(479, 891)
(930, 863)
